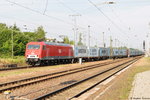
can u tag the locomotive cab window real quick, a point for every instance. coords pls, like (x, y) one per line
(33, 46)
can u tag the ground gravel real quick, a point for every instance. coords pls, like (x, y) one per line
(7, 76)
(141, 87)
(45, 70)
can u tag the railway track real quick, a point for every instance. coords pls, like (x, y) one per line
(14, 68)
(19, 67)
(117, 69)
(33, 80)
(99, 82)
(42, 78)
(22, 67)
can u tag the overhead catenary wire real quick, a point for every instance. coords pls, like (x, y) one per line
(45, 7)
(106, 16)
(118, 18)
(36, 11)
(69, 8)
(66, 6)
(21, 20)
(74, 11)
(44, 13)
(121, 21)
(110, 20)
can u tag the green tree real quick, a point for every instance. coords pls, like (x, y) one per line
(71, 42)
(80, 39)
(20, 39)
(15, 28)
(40, 34)
(66, 40)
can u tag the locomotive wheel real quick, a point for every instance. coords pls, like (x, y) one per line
(33, 64)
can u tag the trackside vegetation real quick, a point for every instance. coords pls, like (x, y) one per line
(19, 60)
(9, 34)
(12, 35)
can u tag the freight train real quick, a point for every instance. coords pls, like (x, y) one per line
(45, 53)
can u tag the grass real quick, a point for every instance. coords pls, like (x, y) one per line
(121, 89)
(20, 60)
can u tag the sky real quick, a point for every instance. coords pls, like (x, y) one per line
(126, 21)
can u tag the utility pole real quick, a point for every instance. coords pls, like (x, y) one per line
(96, 42)
(115, 42)
(147, 49)
(111, 51)
(148, 42)
(89, 36)
(103, 40)
(84, 39)
(75, 27)
(74, 36)
(12, 50)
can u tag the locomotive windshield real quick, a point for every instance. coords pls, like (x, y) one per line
(33, 46)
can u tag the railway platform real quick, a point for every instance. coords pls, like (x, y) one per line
(141, 87)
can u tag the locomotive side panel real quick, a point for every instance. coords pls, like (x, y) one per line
(57, 52)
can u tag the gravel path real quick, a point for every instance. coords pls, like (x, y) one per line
(141, 87)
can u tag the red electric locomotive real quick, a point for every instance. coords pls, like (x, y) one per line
(47, 52)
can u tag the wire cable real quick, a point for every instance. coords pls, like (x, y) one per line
(75, 11)
(106, 16)
(120, 20)
(36, 11)
(66, 6)
(45, 7)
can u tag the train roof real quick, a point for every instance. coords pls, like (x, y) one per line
(59, 44)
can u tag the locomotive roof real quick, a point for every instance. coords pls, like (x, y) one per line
(60, 44)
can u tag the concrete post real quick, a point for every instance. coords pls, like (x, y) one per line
(80, 61)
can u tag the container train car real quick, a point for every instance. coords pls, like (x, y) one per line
(103, 53)
(47, 53)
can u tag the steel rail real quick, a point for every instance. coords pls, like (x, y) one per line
(14, 68)
(40, 76)
(20, 67)
(91, 87)
(77, 83)
(66, 72)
